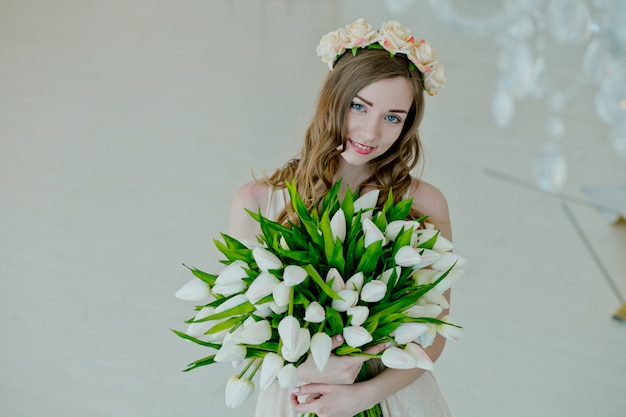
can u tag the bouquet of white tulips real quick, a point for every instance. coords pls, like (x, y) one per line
(344, 267)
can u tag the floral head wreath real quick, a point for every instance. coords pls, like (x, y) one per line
(394, 38)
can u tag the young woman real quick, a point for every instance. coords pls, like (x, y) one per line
(364, 133)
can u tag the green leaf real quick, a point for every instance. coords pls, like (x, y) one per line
(430, 243)
(233, 311)
(370, 258)
(198, 341)
(200, 362)
(204, 276)
(320, 282)
(334, 321)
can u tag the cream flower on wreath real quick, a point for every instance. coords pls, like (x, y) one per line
(332, 45)
(395, 38)
(434, 80)
(359, 34)
(423, 56)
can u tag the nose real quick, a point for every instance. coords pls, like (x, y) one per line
(370, 128)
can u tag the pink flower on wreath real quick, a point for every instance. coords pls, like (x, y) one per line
(359, 34)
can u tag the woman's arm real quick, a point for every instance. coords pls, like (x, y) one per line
(328, 400)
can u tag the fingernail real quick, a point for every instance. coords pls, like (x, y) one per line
(388, 344)
(295, 389)
(338, 337)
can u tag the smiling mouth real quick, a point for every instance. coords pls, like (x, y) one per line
(360, 148)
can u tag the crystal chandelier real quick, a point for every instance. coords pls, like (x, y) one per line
(522, 29)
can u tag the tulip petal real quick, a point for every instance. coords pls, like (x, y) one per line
(238, 390)
(407, 332)
(194, 290)
(262, 286)
(407, 257)
(338, 225)
(272, 363)
(356, 336)
(419, 355)
(314, 313)
(294, 275)
(372, 233)
(266, 260)
(288, 330)
(373, 291)
(358, 315)
(396, 358)
(288, 376)
(321, 345)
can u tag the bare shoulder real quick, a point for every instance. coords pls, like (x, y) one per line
(250, 196)
(430, 201)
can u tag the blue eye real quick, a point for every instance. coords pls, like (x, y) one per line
(358, 106)
(392, 118)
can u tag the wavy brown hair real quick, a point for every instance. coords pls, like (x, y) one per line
(315, 168)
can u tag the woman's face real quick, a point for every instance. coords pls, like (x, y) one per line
(376, 118)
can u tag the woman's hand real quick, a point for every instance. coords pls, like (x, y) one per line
(327, 400)
(339, 369)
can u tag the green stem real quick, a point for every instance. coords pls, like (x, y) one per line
(242, 373)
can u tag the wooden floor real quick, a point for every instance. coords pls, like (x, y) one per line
(126, 126)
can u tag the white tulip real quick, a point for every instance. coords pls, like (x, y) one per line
(355, 282)
(255, 332)
(278, 309)
(425, 310)
(448, 331)
(230, 281)
(337, 283)
(452, 277)
(419, 355)
(198, 329)
(288, 330)
(263, 310)
(394, 228)
(288, 376)
(238, 390)
(428, 257)
(358, 315)
(386, 275)
(338, 225)
(230, 351)
(372, 233)
(435, 297)
(282, 294)
(302, 346)
(266, 260)
(272, 363)
(348, 299)
(262, 286)
(194, 290)
(396, 358)
(321, 345)
(373, 291)
(294, 275)
(232, 302)
(441, 243)
(367, 201)
(356, 336)
(407, 332)
(424, 276)
(426, 339)
(407, 257)
(447, 260)
(314, 313)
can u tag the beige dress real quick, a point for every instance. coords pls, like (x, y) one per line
(421, 398)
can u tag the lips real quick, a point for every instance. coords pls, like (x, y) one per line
(360, 148)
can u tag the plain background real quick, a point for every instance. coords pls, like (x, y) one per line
(126, 127)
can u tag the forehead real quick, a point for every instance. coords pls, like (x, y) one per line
(391, 93)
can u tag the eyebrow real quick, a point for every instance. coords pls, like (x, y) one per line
(369, 103)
